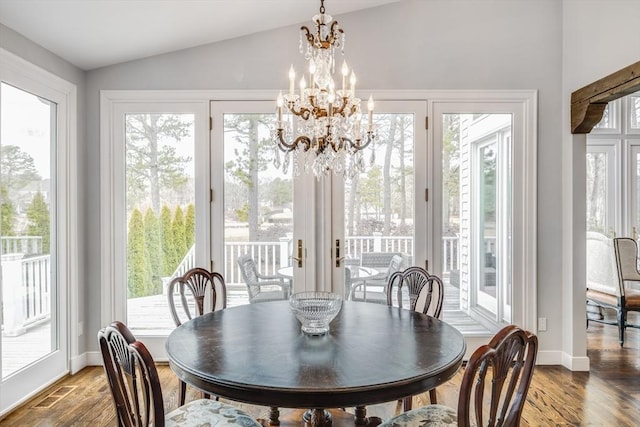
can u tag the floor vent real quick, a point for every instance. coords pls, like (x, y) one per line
(55, 396)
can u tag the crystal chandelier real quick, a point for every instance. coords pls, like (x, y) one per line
(321, 127)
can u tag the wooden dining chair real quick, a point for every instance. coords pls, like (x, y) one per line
(187, 295)
(137, 394)
(424, 293)
(494, 386)
(612, 267)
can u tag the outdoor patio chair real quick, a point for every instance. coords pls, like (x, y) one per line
(494, 386)
(191, 289)
(137, 394)
(424, 293)
(261, 287)
(362, 291)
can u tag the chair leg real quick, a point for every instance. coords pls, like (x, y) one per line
(432, 396)
(407, 403)
(182, 392)
(621, 325)
(274, 416)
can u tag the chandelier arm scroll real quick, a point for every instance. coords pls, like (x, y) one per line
(290, 146)
(358, 144)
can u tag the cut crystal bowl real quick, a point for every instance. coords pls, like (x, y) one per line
(315, 310)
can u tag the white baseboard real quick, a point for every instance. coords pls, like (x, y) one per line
(563, 359)
(90, 358)
(575, 363)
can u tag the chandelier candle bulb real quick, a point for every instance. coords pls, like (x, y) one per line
(345, 73)
(352, 81)
(312, 70)
(292, 78)
(303, 86)
(370, 106)
(279, 103)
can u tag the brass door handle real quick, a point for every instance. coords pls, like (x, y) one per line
(338, 257)
(298, 259)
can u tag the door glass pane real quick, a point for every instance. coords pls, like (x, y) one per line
(258, 212)
(477, 222)
(634, 111)
(27, 201)
(160, 203)
(487, 209)
(596, 192)
(379, 210)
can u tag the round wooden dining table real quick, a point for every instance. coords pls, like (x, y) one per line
(258, 354)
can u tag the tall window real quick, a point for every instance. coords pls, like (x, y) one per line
(613, 170)
(37, 229)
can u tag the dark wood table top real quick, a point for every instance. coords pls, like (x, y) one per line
(257, 354)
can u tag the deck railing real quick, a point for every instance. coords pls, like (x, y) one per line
(26, 291)
(271, 256)
(28, 245)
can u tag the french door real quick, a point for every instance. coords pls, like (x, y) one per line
(294, 225)
(382, 212)
(34, 195)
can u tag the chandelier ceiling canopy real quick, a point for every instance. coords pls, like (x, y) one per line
(320, 125)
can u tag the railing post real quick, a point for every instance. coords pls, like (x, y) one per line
(377, 241)
(13, 295)
(284, 251)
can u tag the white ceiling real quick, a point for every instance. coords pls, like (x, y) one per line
(95, 33)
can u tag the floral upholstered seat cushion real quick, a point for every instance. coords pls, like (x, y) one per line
(208, 413)
(426, 416)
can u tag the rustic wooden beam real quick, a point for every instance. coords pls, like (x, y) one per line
(588, 103)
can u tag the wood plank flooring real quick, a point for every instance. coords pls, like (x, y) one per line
(609, 395)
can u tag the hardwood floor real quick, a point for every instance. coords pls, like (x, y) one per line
(609, 395)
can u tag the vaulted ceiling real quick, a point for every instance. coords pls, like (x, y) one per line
(95, 33)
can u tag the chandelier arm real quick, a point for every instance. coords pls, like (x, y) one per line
(358, 145)
(302, 112)
(307, 34)
(290, 146)
(332, 37)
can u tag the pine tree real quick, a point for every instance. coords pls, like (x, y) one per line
(168, 246)
(190, 225)
(38, 217)
(178, 235)
(7, 212)
(138, 282)
(153, 243)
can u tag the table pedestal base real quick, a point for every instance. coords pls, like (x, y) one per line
(324, 418)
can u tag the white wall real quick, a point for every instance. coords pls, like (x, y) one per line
(414, 44)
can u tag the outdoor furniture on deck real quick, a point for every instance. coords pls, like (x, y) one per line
(262, 287)
(362, 291)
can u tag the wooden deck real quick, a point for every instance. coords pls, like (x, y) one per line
(150, 316)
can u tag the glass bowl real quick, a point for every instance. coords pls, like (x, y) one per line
(315, 310)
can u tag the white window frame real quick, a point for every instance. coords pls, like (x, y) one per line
(524, 189)
(64, 94)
